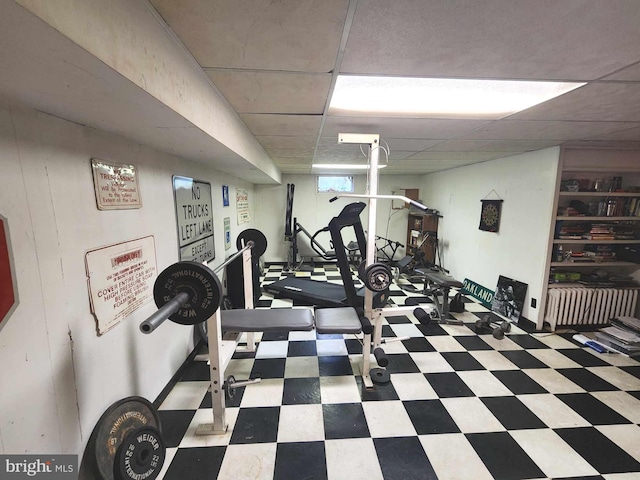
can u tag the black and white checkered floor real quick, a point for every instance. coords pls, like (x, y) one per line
(459, 406)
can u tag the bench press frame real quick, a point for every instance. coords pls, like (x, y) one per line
(223, 346)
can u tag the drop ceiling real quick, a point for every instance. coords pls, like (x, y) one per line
(276, 61)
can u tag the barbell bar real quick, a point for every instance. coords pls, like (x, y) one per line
(188, 292)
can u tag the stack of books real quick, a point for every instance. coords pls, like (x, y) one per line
(610, 231)
(572, 231)
(599, 253)
(622, 336)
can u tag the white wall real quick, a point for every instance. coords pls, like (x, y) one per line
(57, 375)
(519, 250)
(314, 211)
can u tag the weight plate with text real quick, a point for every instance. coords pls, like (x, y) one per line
(140, 455)
(115, 424)
(196, 279)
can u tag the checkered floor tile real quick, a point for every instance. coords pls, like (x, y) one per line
(460, 405)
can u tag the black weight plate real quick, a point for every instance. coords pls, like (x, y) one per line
(140, 455)
(258, 239)
(199, 281)
(377, 277)
(361, 268)
(116, 423)
(379, 376)
(202, 329)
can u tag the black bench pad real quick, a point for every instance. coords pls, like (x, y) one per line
(439, 278)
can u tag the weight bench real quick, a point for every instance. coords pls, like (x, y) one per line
(343, 320)
(439, 282)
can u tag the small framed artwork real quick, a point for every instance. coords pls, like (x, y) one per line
(509, 297)
(225, 195)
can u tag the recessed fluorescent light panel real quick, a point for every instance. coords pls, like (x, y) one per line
(342, 166)
(439, 97)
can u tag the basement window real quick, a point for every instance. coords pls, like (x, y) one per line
(335, 184)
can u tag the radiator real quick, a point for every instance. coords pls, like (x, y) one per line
(588, 306)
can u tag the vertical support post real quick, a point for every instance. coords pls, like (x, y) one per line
(374, 156)
(216, 370)
(247, 275)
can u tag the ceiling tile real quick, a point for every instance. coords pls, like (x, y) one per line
(415, 128)
(631, 73)
(459, 157)
(281, 141)
(290, 152)
(630, 134)
(457, 145)
(572, 39)
(600, 101)
(262, 124)
(291, 161)
(268, 92)
(291, 35)
(541, 130)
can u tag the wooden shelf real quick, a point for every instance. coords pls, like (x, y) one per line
(599, 194)
(586, 219)
(417, 222)
(585, 242)
(593, 264)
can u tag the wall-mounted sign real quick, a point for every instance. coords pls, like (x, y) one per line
(227, 233)
(194, 214)
(225, 195)
(242, 205)
(8, 291)
(121, 280)
(116, 185)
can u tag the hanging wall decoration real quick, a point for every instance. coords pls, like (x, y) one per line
(490, 214)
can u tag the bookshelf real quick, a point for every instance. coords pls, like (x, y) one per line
(422, 234)
(596, 221)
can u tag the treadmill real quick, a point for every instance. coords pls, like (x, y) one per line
(325, 294)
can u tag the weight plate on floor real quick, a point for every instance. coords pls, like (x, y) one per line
(199, 281)
(120, 419)
(140, 455)
(258, 239)
(379, 376)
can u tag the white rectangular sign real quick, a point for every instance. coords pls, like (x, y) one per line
(121, 280)
(116, 185)
(194, 214)
(242, 205)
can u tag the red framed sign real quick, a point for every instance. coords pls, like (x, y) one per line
(8, 293)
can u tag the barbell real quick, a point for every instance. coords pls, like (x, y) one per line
(189, 293)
